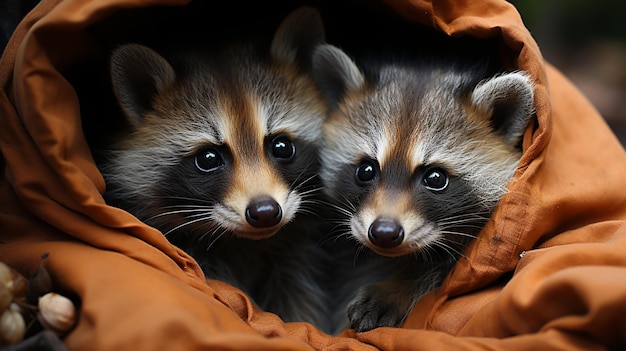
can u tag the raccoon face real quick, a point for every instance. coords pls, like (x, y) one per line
(418, 157)
(224, 144)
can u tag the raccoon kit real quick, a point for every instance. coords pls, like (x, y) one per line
(223, 160)
(416, 154)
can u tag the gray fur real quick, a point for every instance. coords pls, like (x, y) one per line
(508, 97)
(231, 101)
(414, 119)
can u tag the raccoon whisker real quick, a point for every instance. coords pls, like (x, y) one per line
(309, 197)
(202, 214)
(336, 237)
(466, 235)
(342, 233)
(296, 181)
(187, 200)
(345, 235)
(215, 238)
(310, 200)
(341, 227)
(337, 232)
(296, 184)
(434, 252)
(310, 206)
(207, 228)
(324, 239)
(425, 254)
(360, 249)
(310, 192)
(169, 213)
(470, 224)
(179, 209)
(340, 222)
(452, 226)
(341, 210)
(348, 203)
(463, 218)
(453, 252)
(312, 177)
(445, 214)
(183, 206)
(309, 211)
(203, 218)
(343, 205)
(209, 232)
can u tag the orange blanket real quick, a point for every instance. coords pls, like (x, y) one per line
(547, 272)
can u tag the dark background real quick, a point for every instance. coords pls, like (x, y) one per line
(585, 39)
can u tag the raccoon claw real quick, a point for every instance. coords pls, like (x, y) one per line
(372, 308)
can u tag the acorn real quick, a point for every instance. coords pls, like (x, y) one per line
(12, 290)
(6, 297)
(5, 273)
(18, 284)
(13, 281)
(57, 313)
(12, 327)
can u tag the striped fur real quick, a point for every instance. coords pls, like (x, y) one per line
(441, 142)
(211, 146)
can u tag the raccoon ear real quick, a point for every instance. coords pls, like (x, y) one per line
(335, 73)
(509, 102)
(138, 74)
(297, 36)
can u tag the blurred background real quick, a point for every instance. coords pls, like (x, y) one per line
(585, 39)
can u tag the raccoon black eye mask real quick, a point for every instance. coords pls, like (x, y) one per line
(416, 156)
(222, 158)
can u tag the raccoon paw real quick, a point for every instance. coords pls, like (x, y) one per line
(375, 307)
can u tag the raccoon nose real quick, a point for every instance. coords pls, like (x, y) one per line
(263, 212)
(385, 233)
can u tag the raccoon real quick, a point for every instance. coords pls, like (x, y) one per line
(416, 155)
(223, 159)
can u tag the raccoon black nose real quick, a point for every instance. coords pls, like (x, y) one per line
(385, 233)
(263, 212)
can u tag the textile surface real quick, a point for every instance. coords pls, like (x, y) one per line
(548, 271)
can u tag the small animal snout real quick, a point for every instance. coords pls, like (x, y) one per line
(385, 233)
(263, 212)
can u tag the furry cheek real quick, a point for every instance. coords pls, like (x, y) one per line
(419, 235)
(359, 228)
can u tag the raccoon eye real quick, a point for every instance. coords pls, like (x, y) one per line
(366, 172)
(209, 159)
(282, 148)
(435, 179)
